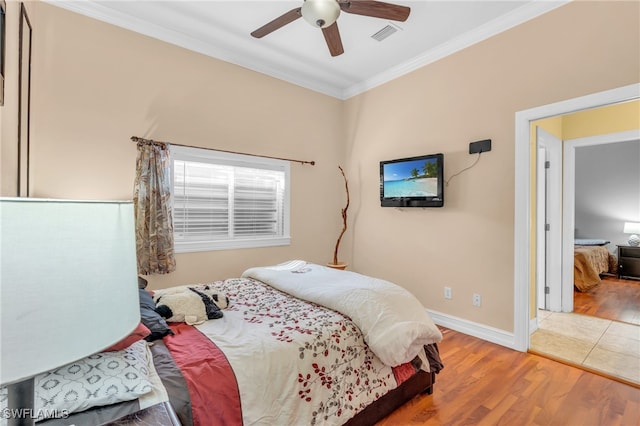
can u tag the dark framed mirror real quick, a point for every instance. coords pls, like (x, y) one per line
(3, 12)
(24, 102)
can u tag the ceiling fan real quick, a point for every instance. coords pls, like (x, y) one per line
(324, 13)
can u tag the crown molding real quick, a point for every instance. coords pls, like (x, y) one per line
(516, 17)
(252, 58)
(247, 55)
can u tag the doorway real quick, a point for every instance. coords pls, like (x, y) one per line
(569, 207)
(523, 240)
(595, 330)
(556, 220)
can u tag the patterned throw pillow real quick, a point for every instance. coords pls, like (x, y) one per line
(101, 379)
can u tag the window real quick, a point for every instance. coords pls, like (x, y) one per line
(226, 201)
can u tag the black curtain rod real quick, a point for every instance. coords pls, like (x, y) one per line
(151, 141)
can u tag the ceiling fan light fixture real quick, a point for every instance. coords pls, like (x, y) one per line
(320, 13)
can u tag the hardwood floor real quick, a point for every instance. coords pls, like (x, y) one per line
(487, 384)
(614, 299)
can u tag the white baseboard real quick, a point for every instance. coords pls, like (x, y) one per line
(481, 331)
(533, 325)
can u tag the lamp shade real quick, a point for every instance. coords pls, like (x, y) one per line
(631, 228)
(68, 282)
(320, 13)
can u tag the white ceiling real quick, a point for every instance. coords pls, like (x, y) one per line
(297, 52)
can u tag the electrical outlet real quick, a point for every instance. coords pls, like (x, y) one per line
(447, 293)
(476, 299)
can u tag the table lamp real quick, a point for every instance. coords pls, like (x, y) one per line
(68, 288)
(634, 229)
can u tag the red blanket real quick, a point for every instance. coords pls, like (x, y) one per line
(215, 399)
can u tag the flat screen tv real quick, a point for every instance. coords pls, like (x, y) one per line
(412, 182)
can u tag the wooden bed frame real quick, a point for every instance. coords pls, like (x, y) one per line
(420, 383)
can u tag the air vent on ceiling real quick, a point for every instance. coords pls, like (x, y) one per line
(384, 32)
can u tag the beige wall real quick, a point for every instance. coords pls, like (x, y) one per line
(578, 49)
(95, 85)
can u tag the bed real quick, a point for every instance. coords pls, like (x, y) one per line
(591, 259)
(299, 344)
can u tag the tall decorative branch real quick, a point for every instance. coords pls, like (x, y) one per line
(344, 218)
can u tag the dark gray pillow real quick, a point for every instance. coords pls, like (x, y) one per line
(590, 242)
(149, 317)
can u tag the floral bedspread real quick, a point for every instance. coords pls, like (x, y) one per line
(295, 362)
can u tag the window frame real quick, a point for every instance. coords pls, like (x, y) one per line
(202, 155)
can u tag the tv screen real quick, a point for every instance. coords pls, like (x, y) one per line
(412, 182)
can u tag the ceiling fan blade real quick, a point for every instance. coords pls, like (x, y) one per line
(279, 22)
(377, 9)
(332, 37)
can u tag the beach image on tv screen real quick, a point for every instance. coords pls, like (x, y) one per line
(417, 178)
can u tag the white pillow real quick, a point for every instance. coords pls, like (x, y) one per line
(101, 379)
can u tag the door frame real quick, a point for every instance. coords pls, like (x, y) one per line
(524, 180)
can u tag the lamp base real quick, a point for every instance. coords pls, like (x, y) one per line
(634, 241)
(20, 403)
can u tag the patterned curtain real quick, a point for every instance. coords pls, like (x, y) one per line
(151, 199)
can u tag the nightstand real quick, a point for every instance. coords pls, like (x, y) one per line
(629, 262)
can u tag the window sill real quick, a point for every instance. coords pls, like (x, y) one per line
(192, 247)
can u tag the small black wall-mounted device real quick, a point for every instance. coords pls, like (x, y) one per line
(480, 146)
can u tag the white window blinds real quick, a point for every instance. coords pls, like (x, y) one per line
(223, 200)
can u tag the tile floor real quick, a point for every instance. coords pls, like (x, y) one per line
(609, 346)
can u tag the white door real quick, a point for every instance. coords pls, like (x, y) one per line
(549, 222)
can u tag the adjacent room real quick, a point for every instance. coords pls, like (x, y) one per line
(214, 213)
(600, 329)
